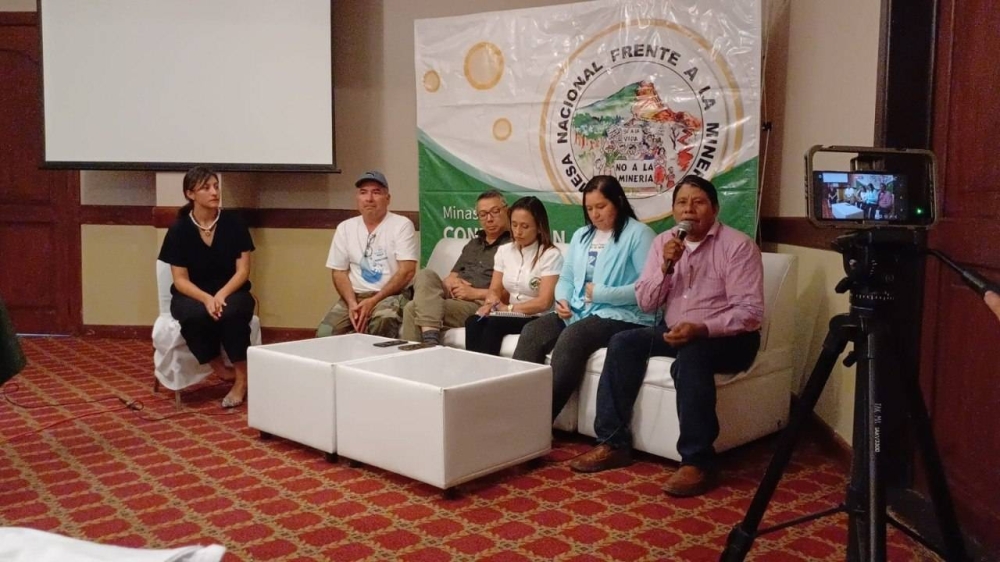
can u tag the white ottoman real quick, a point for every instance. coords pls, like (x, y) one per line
(291, 390)
(443, 416)
(846, 211)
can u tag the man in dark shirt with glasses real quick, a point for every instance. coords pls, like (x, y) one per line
(446, 303)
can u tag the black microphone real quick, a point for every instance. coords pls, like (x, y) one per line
(683, 228)
(977, 282)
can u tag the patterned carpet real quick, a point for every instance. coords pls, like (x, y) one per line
(159, 477)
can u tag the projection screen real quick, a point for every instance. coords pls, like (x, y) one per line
(164, 84)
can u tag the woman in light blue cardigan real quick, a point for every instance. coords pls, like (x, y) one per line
(595, 295)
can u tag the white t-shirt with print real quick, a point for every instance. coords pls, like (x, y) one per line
(372, 258)
(522, 278)
(597, 244)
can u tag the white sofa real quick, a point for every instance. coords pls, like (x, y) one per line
(174, 366)
(750, 404)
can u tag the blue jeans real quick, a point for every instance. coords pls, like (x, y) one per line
(693, 372)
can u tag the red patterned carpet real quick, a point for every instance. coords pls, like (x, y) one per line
(162, 478)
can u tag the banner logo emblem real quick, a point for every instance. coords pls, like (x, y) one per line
(648, 112)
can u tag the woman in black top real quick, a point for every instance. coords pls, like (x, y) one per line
(208, 250)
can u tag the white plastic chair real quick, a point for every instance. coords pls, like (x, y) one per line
(174, 366)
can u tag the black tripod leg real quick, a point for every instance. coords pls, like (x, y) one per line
(856, 498)
(742, 536)
(954, 546)
(866, 491)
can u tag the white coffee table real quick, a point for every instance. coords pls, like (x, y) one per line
(846, 211)
(443, 416)
(291, 388)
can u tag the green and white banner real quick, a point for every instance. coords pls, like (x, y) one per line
(538, 101)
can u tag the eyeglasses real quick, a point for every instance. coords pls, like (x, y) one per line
(368, 245)
(494, 212)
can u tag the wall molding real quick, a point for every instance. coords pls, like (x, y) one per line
(267, 335)
(163, 217)
(278, 335)
(797, 231)
(19, 18)
(117, 332)
(123, 215)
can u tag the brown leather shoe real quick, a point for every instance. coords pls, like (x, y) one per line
(689, 481)
(602, 457)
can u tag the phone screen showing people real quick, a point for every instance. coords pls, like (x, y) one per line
(860, 196)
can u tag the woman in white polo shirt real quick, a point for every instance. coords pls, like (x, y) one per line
(525, 273)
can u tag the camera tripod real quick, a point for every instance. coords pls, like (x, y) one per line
(869, 257)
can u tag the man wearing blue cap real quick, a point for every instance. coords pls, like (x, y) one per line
(373, 258)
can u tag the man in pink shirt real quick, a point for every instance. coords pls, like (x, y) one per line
(711, 289)
(885, 201)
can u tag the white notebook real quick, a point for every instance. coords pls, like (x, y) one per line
(511, 314)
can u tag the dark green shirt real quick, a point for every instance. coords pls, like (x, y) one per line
(475, 265)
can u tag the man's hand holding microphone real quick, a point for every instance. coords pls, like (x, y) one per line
(685, 332)
(674, 248)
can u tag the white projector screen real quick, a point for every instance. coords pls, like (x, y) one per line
(165, 84)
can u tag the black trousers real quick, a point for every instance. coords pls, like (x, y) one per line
(205, 335)
(485, 335)
(571, 347)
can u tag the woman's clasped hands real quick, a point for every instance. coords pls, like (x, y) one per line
(214, 305)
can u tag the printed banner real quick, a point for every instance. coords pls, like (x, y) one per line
(538, 101)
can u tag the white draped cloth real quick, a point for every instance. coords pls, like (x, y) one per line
(18, 544)
(174, 364)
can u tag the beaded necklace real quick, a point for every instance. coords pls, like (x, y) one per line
(206, 230)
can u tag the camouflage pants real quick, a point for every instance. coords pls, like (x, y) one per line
(385, 319)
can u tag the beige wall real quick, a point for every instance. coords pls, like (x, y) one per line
(117, 188)
(17, 5)
(819, 273)
(308, 291)
(819, 89)
(831, 54)
(119, 277)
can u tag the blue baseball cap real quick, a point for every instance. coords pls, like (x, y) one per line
(373, 175)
